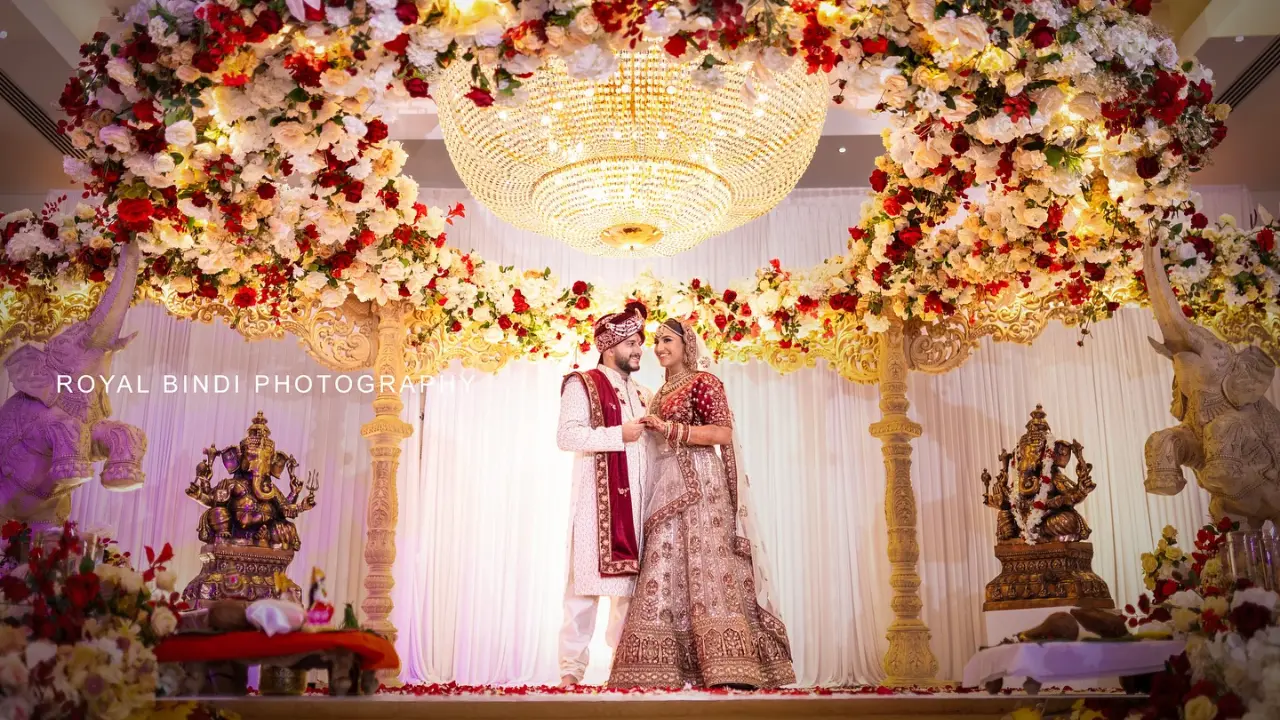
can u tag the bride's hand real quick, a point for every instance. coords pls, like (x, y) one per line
(653, 422)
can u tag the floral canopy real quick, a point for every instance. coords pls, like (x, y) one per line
(1034, 146)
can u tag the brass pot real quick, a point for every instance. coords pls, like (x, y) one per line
(276, 680)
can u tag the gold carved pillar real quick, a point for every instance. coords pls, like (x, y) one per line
(909, 661)
(385, 433)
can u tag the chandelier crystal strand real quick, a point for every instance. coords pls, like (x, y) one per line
(642, 163)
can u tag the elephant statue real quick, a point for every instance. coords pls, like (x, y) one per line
(51, 430)
(1230, 432)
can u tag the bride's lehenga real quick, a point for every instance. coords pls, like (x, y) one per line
(699, 612)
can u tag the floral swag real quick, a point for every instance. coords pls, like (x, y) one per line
(1034, 145)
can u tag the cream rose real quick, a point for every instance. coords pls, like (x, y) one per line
(181, 133)
(163, 621)
(1200, 708)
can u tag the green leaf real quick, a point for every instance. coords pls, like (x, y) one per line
(177, 158)
(1054, 155)
(299, 95)
(949, 101)
(1067, 34)
(1051, 58)
(1022, 22)
(972, 117)
(197, 102)
(86, 564)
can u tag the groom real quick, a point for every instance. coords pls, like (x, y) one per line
(599, 422)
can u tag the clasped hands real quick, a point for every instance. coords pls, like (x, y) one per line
(631, 430)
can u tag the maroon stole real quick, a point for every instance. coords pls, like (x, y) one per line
(616, 544)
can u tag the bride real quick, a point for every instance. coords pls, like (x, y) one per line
(701, 614)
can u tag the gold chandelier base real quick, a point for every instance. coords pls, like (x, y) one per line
(630, 236)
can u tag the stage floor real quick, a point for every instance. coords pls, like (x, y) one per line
(705, 706)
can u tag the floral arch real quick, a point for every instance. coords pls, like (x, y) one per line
(242, 144)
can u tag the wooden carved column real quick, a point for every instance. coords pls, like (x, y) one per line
(385, 433)
(909, 661)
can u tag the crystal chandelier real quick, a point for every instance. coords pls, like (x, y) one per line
(643, 163)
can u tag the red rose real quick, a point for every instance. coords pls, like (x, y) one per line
(135, 213)
(407, 13)
(1042, 36)
(892, 207)
(10, 529)
(376, 131)
(269, 20)
(14, 589)
(81, 589)
(521, 305)
(366, 238)
(911, 235)
(456, 327)
(1199, 221)
(580, 287)
(1142, 7)
(695, 284)
(1148, 167)
(857, 233)
(879, 180)
(1225, 524)
(1249, 618)
(417, 87)
(676, 45)
(145, 112)
(1167, 588)
(745, 310)
(504, 322)
(160, 266)
(266, 191)
(1266, 240)
(730, 296)
(583, 303)
(482, 98)
(399, 46)
(1230, 706)
(876, 45)
(245, 297)
(960, 143)
(205, 62)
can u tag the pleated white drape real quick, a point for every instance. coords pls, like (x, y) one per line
(484, 492)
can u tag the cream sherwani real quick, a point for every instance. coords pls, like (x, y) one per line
(585, 585)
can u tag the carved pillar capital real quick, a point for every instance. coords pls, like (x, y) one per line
(910, 660)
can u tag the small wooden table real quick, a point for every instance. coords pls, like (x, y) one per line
(218, 664)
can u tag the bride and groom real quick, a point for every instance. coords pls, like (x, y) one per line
(658, 514)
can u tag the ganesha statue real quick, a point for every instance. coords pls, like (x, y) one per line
(1229, 433)
(1038, 501)
(52, 430)
(1040, 536)
(247, 527)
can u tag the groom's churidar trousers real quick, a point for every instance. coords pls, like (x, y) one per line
(580, 625)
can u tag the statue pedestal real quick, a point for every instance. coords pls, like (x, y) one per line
(1035, 582)
(1046, 575)
(239, 572)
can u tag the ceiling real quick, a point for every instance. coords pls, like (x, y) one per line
(43, 37)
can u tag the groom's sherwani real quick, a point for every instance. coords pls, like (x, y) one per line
(607, 504)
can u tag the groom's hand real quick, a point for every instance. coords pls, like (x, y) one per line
(631, 430)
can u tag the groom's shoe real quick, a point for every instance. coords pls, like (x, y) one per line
(569, 681)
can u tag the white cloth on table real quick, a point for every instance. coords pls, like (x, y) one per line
(1052, 662)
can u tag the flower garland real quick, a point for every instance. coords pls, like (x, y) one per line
(243, 144)
(79, 631)
(1030, 515)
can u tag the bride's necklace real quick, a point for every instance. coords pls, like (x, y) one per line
(669, 386)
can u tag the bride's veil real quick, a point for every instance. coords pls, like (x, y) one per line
(699, 358)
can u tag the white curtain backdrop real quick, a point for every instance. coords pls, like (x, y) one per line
(484, 492)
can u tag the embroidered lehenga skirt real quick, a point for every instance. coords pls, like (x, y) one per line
(695, 617)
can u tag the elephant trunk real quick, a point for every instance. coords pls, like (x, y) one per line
(108, 317)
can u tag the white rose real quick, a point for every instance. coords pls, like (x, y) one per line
(966, 35)
(493, 335)
(163, 621)
(129, 581)
(181, 284)
(40, 651)
(585, 21)
(708, 78)
(181, 133)
(166, 579)
(592, 62)
(333, 297)
(290, 136)
(433, 223)
(118, 69)
(118, 137)
(876, 323)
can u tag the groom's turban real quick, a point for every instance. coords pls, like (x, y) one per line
(613, 329)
